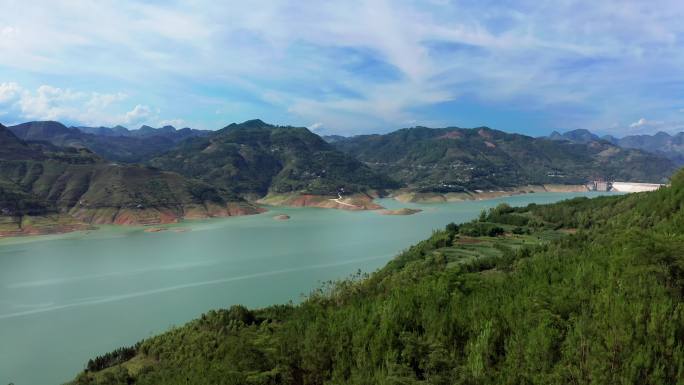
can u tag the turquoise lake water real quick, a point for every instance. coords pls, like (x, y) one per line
(66, 298)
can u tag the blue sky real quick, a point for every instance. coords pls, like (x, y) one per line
(347, 67)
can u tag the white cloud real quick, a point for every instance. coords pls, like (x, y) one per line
(49, 103)
(646, 126)
(100, 101)
(315, 126)
(138, 114)
(72, 107)
(640, 123)
(9, 92)
(6, 32)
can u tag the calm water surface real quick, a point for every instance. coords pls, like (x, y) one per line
(66, 298)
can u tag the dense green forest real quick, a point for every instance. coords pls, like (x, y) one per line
(587, 291)
(456, 159)
(255, 158)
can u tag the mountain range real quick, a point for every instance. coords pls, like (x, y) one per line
(661, 143)
(44, 187)
(116, 144)
(255, 158)
(155, 175)
(458, 159)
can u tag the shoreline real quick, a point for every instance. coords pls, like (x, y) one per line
(88, 219)
(407, 196)
(354, 202)
(65, 223)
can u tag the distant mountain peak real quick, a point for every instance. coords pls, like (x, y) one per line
(248, 124)
(662, 134)
(254, 123)
(579, 135)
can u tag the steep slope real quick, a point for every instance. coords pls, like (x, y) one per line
(12, 147)
(456, 159)
(13, 200)
(587, 291)
(115, 144)
(43, 179)
(254, 158)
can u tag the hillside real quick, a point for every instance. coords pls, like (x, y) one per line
(40, 179)
(115, 144)
(254, 159)
(456, 159)
(583, 291)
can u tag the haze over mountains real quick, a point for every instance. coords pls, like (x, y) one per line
(116, 144)
(662, 143)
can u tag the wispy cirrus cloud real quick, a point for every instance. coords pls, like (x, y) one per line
(357, 66)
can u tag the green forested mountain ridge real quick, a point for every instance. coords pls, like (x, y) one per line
(255, 158)
(40, 179)
(119, 144)
(456, 159)
(586, 291)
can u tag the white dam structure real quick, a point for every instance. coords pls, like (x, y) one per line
(634, 187)
(627, 187)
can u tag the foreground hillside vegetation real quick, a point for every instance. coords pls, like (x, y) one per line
(587, 291)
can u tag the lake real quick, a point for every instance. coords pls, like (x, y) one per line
(66, 298)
